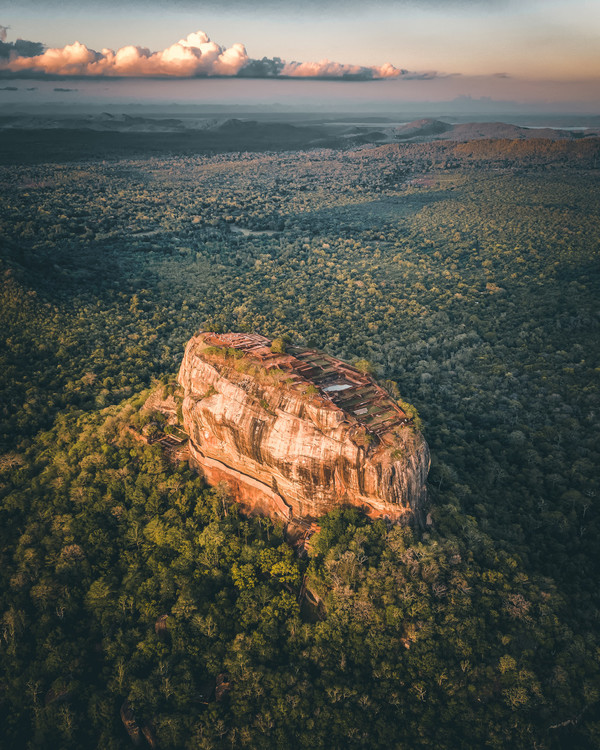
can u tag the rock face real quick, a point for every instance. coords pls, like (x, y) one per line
(296, 433)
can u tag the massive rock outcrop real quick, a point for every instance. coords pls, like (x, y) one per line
(297, 433)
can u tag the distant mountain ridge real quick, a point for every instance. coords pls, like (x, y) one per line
(41, 138)
(430, 129)
(424, 127)
(307, 131)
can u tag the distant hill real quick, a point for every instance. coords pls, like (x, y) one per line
(436, 130)
(29, 139)
(422, 128)
(471, 131)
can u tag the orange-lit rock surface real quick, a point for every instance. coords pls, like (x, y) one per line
(296, 434)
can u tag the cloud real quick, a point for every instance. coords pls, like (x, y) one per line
(20, 48)
(3, 30)
(339, 71)
(266, 68)
(328, 69)
(193, 57)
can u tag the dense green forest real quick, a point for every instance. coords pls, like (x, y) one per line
(467, 273)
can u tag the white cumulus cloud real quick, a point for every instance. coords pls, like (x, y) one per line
(193, 56)
(329, 69)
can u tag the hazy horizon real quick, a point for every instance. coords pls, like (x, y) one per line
(27, 95)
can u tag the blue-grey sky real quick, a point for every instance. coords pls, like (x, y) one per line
(553, 43)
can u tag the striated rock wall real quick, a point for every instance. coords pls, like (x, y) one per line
(282, 444)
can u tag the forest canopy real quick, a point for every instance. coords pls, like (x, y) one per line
(466, 274)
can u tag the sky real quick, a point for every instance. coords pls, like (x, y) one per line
(425, 50)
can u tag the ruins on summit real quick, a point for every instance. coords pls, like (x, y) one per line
(295, 432)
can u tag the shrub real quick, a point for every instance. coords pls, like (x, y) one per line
(278, 346)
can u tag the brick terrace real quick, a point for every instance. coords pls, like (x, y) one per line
(349, 389)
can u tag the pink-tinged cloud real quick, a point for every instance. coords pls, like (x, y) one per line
(194, 56)
(328, 69)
